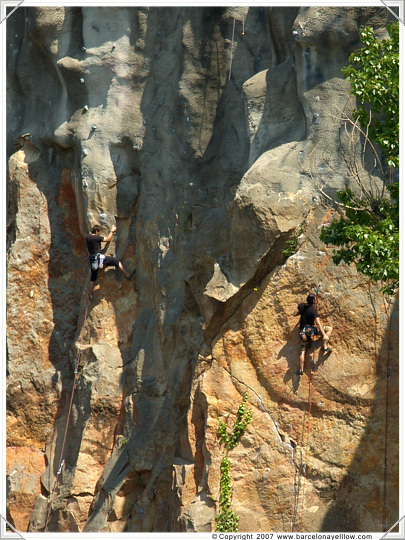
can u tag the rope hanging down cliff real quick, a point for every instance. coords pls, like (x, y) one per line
(227, 86)
(77, 360)
(388, 368)
(306, 435)
(61, 460)
(306, 426)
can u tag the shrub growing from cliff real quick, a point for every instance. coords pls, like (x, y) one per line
(368, 232)
(227, 520)
(292, 244)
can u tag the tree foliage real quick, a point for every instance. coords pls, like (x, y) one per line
(368, 232)
(374, 76)
(369, 241)
(227, 520)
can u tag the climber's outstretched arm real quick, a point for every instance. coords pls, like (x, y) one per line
(326, 335)
(110, 236)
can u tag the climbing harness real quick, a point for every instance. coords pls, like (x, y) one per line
(62, 461)
(97, 261)
(308, 332)
(307, 424)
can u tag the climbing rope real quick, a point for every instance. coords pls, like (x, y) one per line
(77, 360)
(62, 461)
(388, 367)
(388, 371)
(316, 301)
(233, 43)
(227, 87)
(227, 95)
(306, 426)
(306, 429)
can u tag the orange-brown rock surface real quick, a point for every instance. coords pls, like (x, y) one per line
(202, 134)
(313, 447)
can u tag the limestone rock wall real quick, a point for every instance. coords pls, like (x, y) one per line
(200, 133)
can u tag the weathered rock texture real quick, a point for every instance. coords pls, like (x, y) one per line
(202, 144)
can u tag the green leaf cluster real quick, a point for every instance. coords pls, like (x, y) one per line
(368, 233)
(243, 417)
(292, 244)
(370, 239)
(227, 521)
(374, 76)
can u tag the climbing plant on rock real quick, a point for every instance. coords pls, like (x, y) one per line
(367, 232)
(227, 520)
(292, 244)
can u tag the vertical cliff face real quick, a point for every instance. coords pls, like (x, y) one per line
(200, 133)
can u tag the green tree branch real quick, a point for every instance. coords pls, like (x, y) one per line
(367, 232)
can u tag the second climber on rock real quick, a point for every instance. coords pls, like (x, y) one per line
(310, 325)
(98, 259)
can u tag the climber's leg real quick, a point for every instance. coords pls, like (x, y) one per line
(93, 279)
(114, 261)
(123, 269)
(328, 332)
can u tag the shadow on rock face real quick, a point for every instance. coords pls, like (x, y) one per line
(377, 453)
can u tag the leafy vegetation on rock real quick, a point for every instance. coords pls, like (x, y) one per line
(368, 232)
(292, 244)
(227, 520)
(374, 76)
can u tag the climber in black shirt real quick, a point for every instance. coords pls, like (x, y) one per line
(98, 259)
(310, 325)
